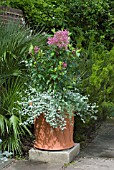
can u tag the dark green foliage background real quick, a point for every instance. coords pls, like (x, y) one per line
(85, 17)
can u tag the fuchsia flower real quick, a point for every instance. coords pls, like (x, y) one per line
(64, 65)
(60, 38)
(36, 49)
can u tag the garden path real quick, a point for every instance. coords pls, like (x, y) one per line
(98, 155)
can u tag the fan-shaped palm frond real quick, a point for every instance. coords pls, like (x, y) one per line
(10, 120)
(15, 41)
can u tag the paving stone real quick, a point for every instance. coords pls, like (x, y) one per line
(4, 164)
(31, 165)
(92, 164)
(63, 156)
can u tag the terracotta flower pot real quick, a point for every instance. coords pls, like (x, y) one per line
(49, 138)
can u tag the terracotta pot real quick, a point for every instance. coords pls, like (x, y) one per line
(49, 138)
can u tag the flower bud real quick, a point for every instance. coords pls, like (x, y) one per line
(64, 65)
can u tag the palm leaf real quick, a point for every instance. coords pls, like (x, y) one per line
(3, 125)
(10, 120)
(15, 41)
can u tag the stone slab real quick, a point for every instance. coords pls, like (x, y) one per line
(92, 164)
(33, 165)
(4, 164)
(64, 156)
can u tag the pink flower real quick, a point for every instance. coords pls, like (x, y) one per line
(64, 65)
(60, 38)
(36, 49)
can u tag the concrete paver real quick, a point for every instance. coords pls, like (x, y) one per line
(4, 163)
(92, 164)
(103, 144)
(30, 165)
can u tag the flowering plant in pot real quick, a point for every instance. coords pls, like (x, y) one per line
(52, 97)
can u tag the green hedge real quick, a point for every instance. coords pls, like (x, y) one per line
(85, 17)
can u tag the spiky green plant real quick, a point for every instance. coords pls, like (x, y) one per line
(15, 41)
(10, 129)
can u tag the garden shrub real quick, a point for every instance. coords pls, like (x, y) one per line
(97, 82)
(86, 16)
(99, 78)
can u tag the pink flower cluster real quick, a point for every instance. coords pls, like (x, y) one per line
(36, 49)
(60, 38)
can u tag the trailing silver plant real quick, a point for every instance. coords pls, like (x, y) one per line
(55, 107)
(4, 155)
